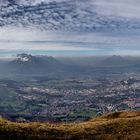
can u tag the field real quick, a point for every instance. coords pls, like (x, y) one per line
(121, 125)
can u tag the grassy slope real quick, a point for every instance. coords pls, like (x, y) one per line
(122, 126)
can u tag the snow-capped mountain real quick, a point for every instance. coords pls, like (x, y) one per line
(29, 64)
(60, 15)
(24, 59)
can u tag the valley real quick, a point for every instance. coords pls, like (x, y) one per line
(56, 100)
(69, 70)
(43, 88)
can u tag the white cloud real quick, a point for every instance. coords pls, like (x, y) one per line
(18, 38)
(124, 8)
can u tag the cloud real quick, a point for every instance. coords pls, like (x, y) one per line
(123, 8)
(26, 39)
(27, 2)
(123, 42)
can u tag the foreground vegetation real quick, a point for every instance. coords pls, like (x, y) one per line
(121, 125)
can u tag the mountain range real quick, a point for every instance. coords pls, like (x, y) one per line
(29, 64)
(26, 64)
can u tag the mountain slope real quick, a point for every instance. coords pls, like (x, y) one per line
(29, 64)
(115, 60)
(122, 125)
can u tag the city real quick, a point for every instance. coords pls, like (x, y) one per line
(70, 99)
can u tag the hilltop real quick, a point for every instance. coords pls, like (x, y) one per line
(120, 125)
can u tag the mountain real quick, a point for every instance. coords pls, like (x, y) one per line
(29, 64)
(119, 125)
(25, 59)
(116, 60)
(63, 15)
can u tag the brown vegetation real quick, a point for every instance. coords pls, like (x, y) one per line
(114, 126)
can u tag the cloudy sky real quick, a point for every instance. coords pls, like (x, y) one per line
(120, 41)
(124, 8)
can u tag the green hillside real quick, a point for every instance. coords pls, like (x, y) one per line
(114, 126)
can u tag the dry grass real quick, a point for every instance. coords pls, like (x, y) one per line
(115, 126)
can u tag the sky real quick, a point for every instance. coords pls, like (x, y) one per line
(14, 40)
(124, 8)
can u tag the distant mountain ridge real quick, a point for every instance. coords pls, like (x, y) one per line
(28, 58)
(115, 60)
(29, 64)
